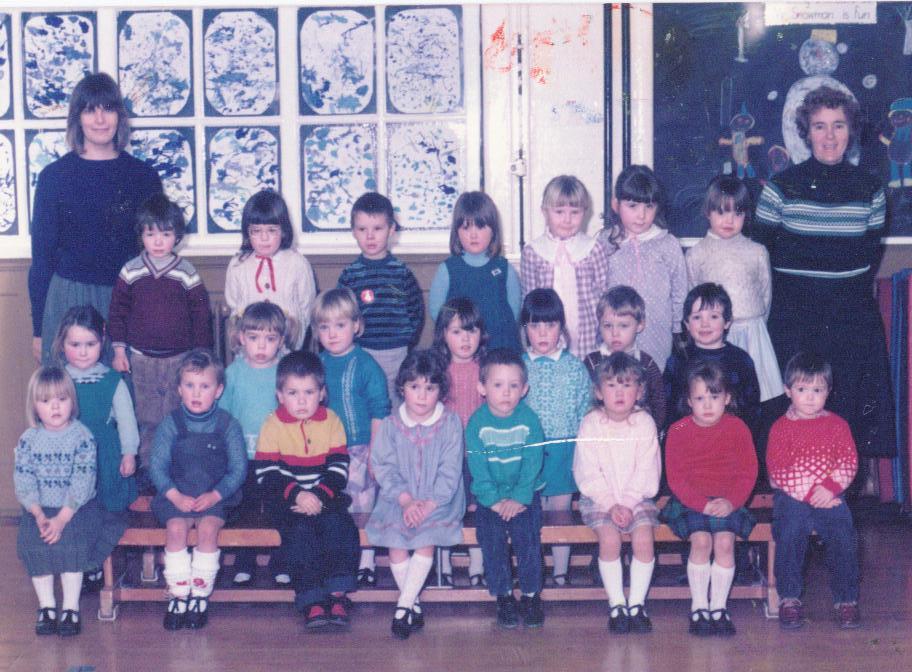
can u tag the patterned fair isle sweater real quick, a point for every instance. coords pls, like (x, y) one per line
(558, 392)
(55, 469)
(803, 453)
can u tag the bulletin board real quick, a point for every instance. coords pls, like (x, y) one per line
(729, 77)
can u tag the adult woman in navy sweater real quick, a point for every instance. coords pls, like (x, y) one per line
(822, 221)
(83, 215)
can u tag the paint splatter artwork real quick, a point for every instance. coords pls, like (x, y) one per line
(59, 52)
(5, 74)
(423, 61)
(239, 62)
(44, 147)
(170, 152)
(241, 161)
(425, 172)
(339, 165)
(154, 50)
(337, 61)
(7, 184)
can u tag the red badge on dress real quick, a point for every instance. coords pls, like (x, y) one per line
(367, 296)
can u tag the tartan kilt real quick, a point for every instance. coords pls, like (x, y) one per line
(684, 521)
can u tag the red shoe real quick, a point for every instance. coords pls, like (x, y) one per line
(316, 617)
(791, 614)
(338, 610)
(848, 615)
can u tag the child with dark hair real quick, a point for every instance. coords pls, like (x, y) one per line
(391, 302)
(503, 443)
(268, 268)
(711, 467)
(477, 269)
(811, 459)
(560, 397)
(727, 257)
(198, 464)
(707, 318)
(417, 459)
(159, 312)
(301, 467)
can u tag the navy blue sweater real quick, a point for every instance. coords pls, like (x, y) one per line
(83, 222)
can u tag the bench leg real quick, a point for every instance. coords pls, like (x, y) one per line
(106, 609)
(772, 594)
(149, 570)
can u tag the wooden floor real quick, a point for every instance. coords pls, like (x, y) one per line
(464, 638)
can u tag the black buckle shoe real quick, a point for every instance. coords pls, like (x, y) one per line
(639, 619)
(175, 618)
(70, 625)
(722, 623)
(700, 624)
(401, 626)
(618, 620)
(46, 623)
(367, 578)
(417, 621)
(92, 581)
(197, 612)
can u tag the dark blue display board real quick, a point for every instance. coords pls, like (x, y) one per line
(720, 80)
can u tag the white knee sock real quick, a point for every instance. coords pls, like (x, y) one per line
(400, 572)
(561, 557)
(418, 568)
(177, 572)
(613, 579)
(476, 561)
(72, 588)
(719, 586)
(44, 589)
(202, 572)
(698, 578)
(446, 567)
(640, 578)
(367, 559)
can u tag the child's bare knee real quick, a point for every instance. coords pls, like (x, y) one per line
(643, 544)
(701, 544)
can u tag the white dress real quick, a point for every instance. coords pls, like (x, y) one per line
(742, 267)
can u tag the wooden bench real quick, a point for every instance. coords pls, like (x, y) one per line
(557, 528)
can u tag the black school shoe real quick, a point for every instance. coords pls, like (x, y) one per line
(401, 626)
(175, 617)
(337, 613)
(70, 624)
(507, 612)
(700, 623)
(532, 610)
(197, 613)
(92, 581)
(618, 620)
(417, 621)
(46, 623)
(722, 623)
(367, 578)
(639, 619)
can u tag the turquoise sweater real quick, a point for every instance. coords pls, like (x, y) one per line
(502, 464)
(356, 391)
(250, 396)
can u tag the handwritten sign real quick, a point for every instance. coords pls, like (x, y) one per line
(788, 14)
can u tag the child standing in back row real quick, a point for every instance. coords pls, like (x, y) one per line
(478, 270)
(391, 303)
(568, 260)
(643, 255)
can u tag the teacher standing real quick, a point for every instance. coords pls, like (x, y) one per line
(822, 221)
(83, 218)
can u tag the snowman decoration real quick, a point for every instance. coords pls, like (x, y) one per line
(819, 60)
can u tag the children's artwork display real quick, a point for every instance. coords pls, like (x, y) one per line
(43, 147)
(8, 220)
(6, 77)
(170, 152)
(729, 78)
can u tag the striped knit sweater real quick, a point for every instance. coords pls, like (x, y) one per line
(296, 456)
(822, 221)
(390, 299)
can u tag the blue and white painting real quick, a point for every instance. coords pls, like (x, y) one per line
(7, 184)
(240, 62)
(170, 152)
(59, 50)
(6, 90)
(425, 172)
(43, 148)
(155, 68)
(423, 60)
(240, 162)
(337, 61)
(339, 164)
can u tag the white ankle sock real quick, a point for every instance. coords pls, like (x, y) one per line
(640, 578)
(561, 557)
(476, 561)
(72, 588)
(613, 579)
(367, 559)
(177, 572)
(698, 578)
(720, 584)
(44, 589)
(418, 568)
(203, 569)
(400, 572)
(446, 567)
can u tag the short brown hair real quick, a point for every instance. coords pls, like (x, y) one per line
(96, 90)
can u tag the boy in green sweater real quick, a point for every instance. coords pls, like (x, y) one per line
(503, 445)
